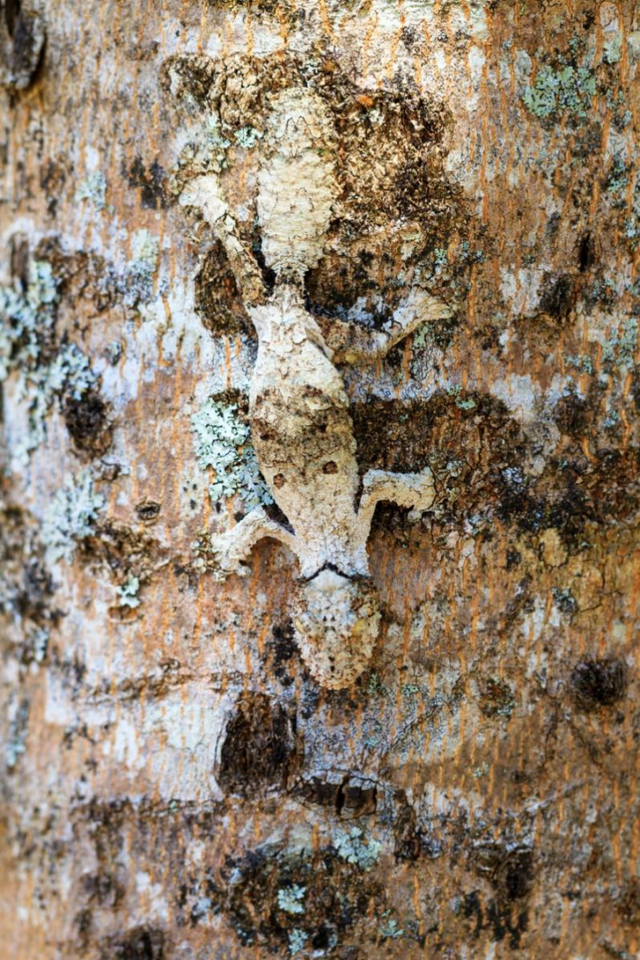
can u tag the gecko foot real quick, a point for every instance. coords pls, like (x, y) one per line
(230, 549)
(415, 490)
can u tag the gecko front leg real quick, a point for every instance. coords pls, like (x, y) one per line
(415, 490)
(232, 548)
(204, 194)
(353, 343)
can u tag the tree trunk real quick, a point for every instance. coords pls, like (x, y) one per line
(427, 748)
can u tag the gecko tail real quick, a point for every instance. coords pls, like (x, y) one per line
(337, 622)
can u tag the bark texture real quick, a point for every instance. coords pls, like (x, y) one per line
(175, 785)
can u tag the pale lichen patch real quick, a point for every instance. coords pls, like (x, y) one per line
(291, 899)
(29, 348)
(222, 442)
(128, 592)
(93, 189)
(355, 848)
(71, 517)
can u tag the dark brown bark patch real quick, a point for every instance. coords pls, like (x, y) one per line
(142, 943)
(599, 682)
(218, 302)
(259, 750)
(87, 421)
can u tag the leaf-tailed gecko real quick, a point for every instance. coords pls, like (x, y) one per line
(299, 410)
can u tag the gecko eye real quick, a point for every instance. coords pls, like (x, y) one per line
(336, 621)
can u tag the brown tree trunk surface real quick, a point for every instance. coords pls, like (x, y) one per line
(175, 785)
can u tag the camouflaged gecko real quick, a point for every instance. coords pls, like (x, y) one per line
(299, 410)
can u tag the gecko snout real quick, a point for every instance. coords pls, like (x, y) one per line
(336, 621)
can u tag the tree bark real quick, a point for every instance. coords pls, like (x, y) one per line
(177, 783)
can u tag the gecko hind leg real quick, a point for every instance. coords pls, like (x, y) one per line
(414, 490)
(234, 546)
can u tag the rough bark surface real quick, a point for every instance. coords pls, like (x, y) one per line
(175, 784)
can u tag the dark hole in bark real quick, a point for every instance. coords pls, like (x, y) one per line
(259, 749)
(586, 253)
(20, 257)
(517, 878)
(217, 299)
(572, 416)
(151, 183)
(268, 275)
(557, 300)
(87, 422)
(599, 683)
(325, 938)
(147, 510)
(11, 15)
(138, 944)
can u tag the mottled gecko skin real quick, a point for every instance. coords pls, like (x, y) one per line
(303, 435)
(299, 410)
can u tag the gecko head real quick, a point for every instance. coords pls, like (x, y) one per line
(297, 186)
(336, 622)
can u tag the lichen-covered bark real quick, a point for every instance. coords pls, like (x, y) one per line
(175, 785)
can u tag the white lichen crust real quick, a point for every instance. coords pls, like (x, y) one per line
(301, 426)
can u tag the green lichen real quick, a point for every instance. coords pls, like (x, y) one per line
(354, 848)
(26, 316)
(612, 52)
(632, 231)
(631, 225)
(137, 283)
(38, 643)
(94, 189)
(213, 135)
(70, 373)
(568, 89)
(461, 403)
(28, 347)
(373, 733)
(422, 338)
(223, 445)
(70, 517)
(621, 348)
(467, 255)
(611, 421)
(618, 177)
(297, 940)
(564, 600)
(128, 593)
(390, 930)
(617, 102)
(247, 137)
(145, 248)
(581, 362)
(18, 729)
(375, 685)
(289, 898)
